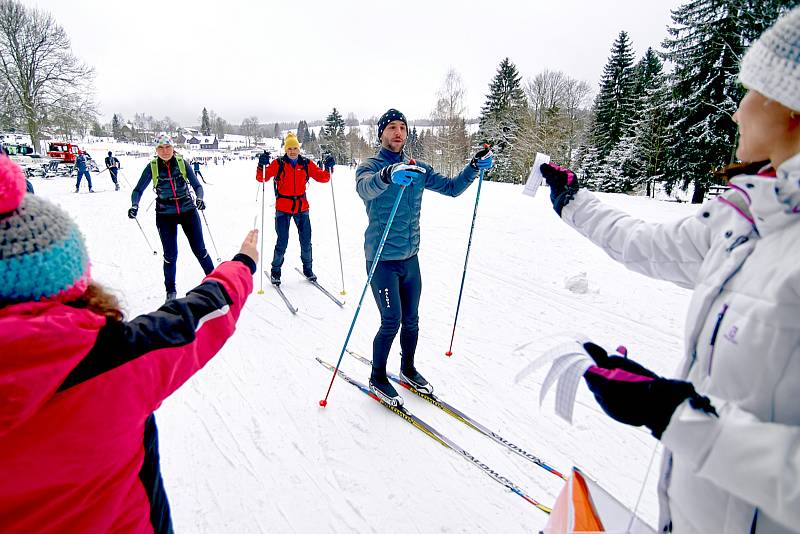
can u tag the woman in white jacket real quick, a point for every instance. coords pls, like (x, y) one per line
(730, 423)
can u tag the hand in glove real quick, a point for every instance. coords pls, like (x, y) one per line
(563, 185)
(634, 395)
(201, 205)
(483, 159)
(133, 211)
(330, 161)
(401, 173)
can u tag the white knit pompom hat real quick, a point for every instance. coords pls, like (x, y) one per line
(772, 64)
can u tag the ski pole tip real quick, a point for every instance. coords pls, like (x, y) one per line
(448, 353)
(412, 161)
(486, 145)
(155, 253)
(323, 403)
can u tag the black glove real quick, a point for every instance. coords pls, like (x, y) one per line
(200, 204)
(386, 174)
(563, 185)
(133, 211)
(634, 395)
(483, 159)
(330, 161)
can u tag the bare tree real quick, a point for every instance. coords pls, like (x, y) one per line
(556, 116)
(37, 65)
(251, 129)
(450, 143)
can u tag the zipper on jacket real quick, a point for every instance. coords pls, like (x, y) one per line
(720, 316)
(738, 241)
(172, 185)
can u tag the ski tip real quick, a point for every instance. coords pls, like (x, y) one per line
(412, 161)
(323, 403)
(448, 353)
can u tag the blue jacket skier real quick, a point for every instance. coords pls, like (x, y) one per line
(397, 283)
(80, 164)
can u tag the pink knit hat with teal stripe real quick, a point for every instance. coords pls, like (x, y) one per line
(42, 252)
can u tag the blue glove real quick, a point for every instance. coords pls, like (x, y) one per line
(563, 185)
(401, 173)
(483, 159)
(330, 161)
(133, 211)
(634, 395)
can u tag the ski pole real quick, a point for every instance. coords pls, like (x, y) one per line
(338, 243)
(202, 212)
(466, 260)
(324, 402)
(150, 205)
(261, 290)
(145, 236)
(257, 192)
(124, 178)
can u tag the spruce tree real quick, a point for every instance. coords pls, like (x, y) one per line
(500, 122)
(614, 104)
(116, 126)
(334, 142)
(647, 135)
(205, 123)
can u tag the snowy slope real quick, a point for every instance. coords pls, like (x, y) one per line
(244, 445)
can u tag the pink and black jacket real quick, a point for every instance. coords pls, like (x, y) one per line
(78, 438)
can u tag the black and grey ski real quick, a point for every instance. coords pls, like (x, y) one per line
(439, 437)
(461, 416)
(284, 298)
(316, 284)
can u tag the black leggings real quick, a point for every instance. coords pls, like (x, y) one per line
(167, 225)
(396, 286)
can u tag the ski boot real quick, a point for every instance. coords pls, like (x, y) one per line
(417, 381)
(385, 392)
(171, 295)
(275, 278)
(309, 274)
(116, 187)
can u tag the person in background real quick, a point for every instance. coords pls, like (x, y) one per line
(397, 282)
(80, 165)
(80, 383)
(173, 182)
(291, 173)
(196, 169)
(113, 166)
(730, 420)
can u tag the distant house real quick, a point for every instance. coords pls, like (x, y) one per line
(209, 142)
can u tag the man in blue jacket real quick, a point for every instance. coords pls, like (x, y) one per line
(80, 164)
(397, 283)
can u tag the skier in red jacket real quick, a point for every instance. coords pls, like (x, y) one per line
(79, 384)
(291, 173)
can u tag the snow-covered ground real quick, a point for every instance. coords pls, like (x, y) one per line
(245, 446)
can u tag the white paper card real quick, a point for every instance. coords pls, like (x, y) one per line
(535, 177)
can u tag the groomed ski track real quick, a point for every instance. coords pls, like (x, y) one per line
(245, 446)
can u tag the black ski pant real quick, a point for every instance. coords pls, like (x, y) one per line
(397, 287)
(303, 223)
(167, 225)
(113, 172)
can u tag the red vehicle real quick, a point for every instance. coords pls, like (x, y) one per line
(66, 152)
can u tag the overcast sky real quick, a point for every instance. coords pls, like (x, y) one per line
(292, 60)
